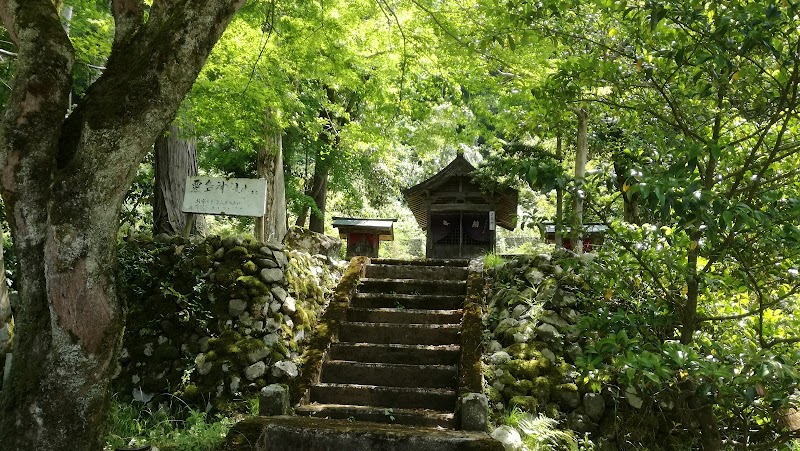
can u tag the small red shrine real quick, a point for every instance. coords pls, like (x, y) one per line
(364, 235)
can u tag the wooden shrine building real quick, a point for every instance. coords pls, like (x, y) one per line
(364, 236)
(459, 219)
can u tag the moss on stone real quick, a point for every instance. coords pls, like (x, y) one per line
(524, 351)
(511, 390)
(524, 369)
(251, 344)
(249, 267)
(237, 254)
(506, 378)
(191, 393)
(487, 372)
(301, 317)
(253, 285)
(226, 274)
(281, 349)
(524, 386)
(493, 395)
(541, 389)
(526, 403)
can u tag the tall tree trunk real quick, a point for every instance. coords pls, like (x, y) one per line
(581, 152)
(559, 226)
(319, 192)
(175, 159)
(63, 179)
(272, 226)
(688, 312)
(6, 319)
(302, 217)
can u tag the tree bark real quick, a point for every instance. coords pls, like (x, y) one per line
(302, 217)
(272, 226)
(63, 180)
(581, 151)
(6, 319)
(175, 159)
(319, 192)
(559, 225)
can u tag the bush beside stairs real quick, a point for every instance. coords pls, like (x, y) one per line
(390, 381)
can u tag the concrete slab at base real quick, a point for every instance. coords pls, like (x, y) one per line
(285, 433)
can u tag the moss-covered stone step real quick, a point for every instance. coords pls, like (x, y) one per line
(425, 334)
(407, 301)
(413, 417)
(379, 396)
(405, 316)
(413, 286)
(378, 271)
(389, 374)
(462, 263)
(304, 433)
(396, 353)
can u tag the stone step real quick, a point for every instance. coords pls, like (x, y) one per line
(378, 271)
(420, 334)
(412, 286)
(405, 316)
(412, 417)
(396, 353)
(389, 374)
(408, 301)
(302, 433)
(462, 263)
(379, 396)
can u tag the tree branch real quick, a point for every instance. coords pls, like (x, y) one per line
(9, 20)
(128, 17)
(782, 341)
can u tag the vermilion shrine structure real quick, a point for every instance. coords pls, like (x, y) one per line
(363, 235)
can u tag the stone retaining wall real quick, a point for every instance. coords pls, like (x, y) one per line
(211, 320)
(533, 342)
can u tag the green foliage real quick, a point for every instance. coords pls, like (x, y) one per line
(539, 432)
(492, 260)
(632, 342)
(520, 163)
(187, 430)
(136, 216)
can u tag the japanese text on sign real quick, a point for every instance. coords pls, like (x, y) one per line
(223, 196)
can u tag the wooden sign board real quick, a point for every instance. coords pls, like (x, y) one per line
(222, 196)
(492, 225)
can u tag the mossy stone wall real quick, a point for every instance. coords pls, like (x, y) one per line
(210, 320)
(534, 337)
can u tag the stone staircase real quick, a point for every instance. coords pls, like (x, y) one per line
(397, 357)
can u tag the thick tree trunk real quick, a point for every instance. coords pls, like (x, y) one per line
(63, 181)
(581, 152)
(319, 192)
(272, 226)
(175, 159)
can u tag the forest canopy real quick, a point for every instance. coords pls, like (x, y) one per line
(686, 111)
